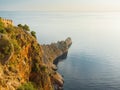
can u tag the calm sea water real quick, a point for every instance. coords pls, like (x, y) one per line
(93, 62)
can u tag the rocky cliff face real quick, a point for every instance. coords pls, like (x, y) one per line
(27, 65)
(55, 52)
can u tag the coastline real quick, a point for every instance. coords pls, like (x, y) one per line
(57, 52)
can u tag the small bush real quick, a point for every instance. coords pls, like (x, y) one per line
(33, 33)
(6, 50)
(25, 27)
(2, 56)
(36, 68)
(5, 47)
(2, 30)
(43, 68)
(27, 86)
(1, 24)
(20, 25)
(16, 46)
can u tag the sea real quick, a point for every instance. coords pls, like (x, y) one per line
(93, 61)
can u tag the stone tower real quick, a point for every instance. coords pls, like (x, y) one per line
(6, 22)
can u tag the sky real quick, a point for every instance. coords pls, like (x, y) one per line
(60, 5)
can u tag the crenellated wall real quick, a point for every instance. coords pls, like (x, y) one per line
(7, 22)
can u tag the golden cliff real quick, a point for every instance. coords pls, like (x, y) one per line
(27, 65)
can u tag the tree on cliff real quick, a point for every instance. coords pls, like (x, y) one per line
(20, 25)
(25, 27)
(33, 33)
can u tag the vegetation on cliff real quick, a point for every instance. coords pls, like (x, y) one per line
(24, 63)
(2, 29)
(25, 27)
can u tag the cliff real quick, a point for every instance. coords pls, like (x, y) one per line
(56, 51)
(27, 65)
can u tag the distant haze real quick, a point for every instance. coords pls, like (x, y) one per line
(60, 5)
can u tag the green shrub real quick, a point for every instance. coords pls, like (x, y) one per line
(33, 33)
(5, 46)
(25, 27)
(20, 25)
(27, 86)
(2, 30)
(35, 68)
(16, 46)
(7, 50)
(1, 24)
(2, 56)
(43, 68)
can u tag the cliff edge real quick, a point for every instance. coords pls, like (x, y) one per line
(27, 65)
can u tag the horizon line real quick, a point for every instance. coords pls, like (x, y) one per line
(67, 10)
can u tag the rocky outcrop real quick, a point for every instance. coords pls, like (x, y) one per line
(55, 52)
(24, 63)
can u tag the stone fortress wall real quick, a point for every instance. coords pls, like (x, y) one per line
(7, 22)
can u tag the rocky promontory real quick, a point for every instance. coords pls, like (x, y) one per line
(27, 65)
(55, 52)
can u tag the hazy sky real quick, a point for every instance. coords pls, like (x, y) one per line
(61, 5)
